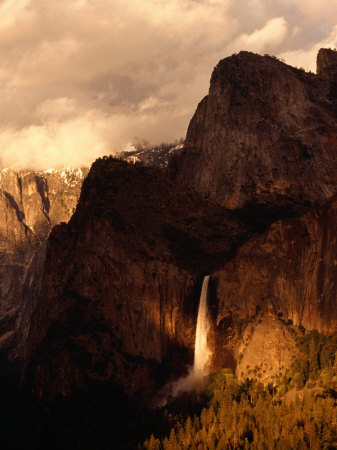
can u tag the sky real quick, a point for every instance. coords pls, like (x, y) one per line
(85, 78)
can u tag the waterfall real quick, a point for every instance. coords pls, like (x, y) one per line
(202, 351)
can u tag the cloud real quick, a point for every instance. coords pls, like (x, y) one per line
(270, 36)
(306, 57)
(37, 147)
(82, 78)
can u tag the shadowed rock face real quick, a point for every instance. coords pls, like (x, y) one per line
(31, 203)
(265, 135)
(121, 289)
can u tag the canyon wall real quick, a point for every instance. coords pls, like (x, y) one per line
(283, 277)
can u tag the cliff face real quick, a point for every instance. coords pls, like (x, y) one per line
(283, 277)
(289, 271)
(265, 135)
(31, 204)
(20, 258)
(121, 290)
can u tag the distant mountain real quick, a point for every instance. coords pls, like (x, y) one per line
(155, 156)
(31, 203)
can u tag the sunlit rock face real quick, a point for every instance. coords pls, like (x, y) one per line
(289, 271)
(31, 204)
(267, 350)
(21, 257)
(265, 135)
(122, 282)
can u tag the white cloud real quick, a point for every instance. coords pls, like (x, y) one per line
(272, 33)
(38, 147)
(79, 78)
(270, 36)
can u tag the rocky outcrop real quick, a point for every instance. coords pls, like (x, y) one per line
(327, 65)
(266, 351)
(121, 290)
(264, 137)
(31, 204)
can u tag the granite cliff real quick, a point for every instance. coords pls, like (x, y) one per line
(285, 275)
(264, 137)
(31, 204)
(289, 271)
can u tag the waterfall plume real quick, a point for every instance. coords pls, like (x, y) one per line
(202, 353)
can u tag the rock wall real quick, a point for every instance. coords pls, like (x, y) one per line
(266, 351)
(289, 271)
